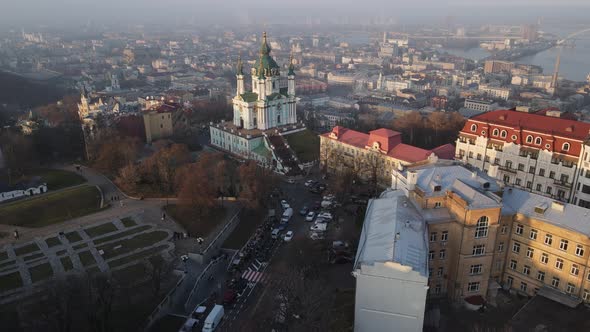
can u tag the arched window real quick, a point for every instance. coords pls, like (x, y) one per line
(529, 139)
(495, 132)
(538, 140)
(278, 118)
(566, 146)
(503, 133)
(481, 228)
(473, 127)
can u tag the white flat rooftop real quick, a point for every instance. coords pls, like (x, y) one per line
(393, 231)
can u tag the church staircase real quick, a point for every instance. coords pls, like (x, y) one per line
(284, 154)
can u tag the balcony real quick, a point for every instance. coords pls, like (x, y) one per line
(560, 183)
(507, 169)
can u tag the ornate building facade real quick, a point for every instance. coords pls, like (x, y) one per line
(261, 116)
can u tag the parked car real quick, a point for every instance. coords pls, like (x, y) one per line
(309, 183)
(318, 228)
(213, 319)
(310, 216)
(317, 236)
(284, 204)
(291, 181)
(319, 220)
(275, 233)
(289, 236)
(325, 215)
(304, 210)
(326, 204)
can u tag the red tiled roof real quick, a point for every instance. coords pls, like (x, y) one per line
(384, 132)
(446, 151)
(534, 122)
(409, 153)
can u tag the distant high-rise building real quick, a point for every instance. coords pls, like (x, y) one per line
(529, 32)
(496, 66)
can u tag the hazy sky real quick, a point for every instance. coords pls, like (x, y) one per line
(227, 11)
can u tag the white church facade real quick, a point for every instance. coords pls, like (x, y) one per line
(261, 116)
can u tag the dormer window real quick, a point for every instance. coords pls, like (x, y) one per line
(529, 139)
(566, 146)
(473, 127)
(376, 145)
(495, 132)
(538, 141)
(437, 188)
(503, 134)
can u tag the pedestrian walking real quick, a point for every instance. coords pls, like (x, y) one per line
(16, 235)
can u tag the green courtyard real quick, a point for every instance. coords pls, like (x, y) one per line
(306, 145)
(51, 208)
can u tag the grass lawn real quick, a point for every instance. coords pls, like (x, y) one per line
(136, 256)
(136, 242)
(7, 265)
(56, 178)
(128, 222)
(130, 274)
(29, 248)
(306, 145)
(52, 241)
(121, 234)
(10, 281)
(101, 229)
(51, 208)
(79, 246)
(249, 221)
(86, 258)
(199, 228)
(41, 272)
(73, 237)
(66, 262)
(34, 256)
(3, 255)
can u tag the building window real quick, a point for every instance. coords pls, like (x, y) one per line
(509, 281)
(555, 282)
(431, 255)
(439, 272)
(501, 247)
(479, 250)
(551, 174)
(526, 270)
(532, 169)
(548, 239)
(529, 139)
(548, 190)
(442, 254)
(517, 181)
(519, 229)
(544, 258)
(523, 286)
(541, 172)
(538, 140)
(437, 289)
(530, 252)
(539, 187)
(473, 286)
(479, 156)
(429, 272)
(571, 288)
(503, 134)
(563, 245)
(579, 250)
(504, 229)
(533, 234)
(432, 236)
(541, 276)
(475, 269)
(586, 295)
(444, 236)
(529, 185)
(575, 270)
(516, 247)
(481, 228)
(559, 264)
(437, 205)
(473, 128)
(495, 132)
(470, 154)
(566, 147)
(512, 264)
(521, 167)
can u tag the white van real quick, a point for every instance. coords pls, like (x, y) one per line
(287, 215)
(275, 233)
(212, 321)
